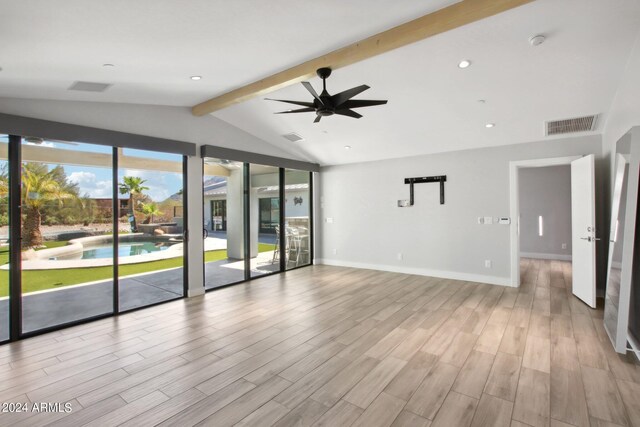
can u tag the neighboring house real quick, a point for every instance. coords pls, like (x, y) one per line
(215, 204)
(105, 206)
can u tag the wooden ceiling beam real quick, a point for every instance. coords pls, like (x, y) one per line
(440, 21)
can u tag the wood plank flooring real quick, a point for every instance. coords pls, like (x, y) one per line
(330, 346)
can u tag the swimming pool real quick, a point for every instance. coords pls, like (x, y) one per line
(125, 249)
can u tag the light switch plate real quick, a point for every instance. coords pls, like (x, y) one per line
(488, 220)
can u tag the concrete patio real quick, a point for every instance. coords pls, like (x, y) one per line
(72, 303)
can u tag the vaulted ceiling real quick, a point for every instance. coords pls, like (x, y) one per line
(155, 46)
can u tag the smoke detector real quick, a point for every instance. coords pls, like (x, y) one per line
(537, 40)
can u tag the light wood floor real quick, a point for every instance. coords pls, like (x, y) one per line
(332, 346)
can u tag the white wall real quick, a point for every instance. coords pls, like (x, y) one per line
(622, 116)
(546, 192)
(160, 121)
(625, 109)
(369, 230)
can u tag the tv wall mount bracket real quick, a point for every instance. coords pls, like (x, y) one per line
(439, 178)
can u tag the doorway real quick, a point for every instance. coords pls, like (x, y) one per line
(219, 215)
(545, 219)
(534, 224)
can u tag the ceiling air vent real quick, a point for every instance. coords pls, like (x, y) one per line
(90, 86)
(578, 124)
(293, 137)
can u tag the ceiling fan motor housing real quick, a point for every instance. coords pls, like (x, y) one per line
(328, 105)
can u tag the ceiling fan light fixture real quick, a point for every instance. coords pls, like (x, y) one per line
(465, 63)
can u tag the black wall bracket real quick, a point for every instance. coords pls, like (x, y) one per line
(439, 178)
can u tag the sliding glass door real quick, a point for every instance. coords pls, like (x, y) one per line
(264, 221)
(151, 228)
(66, 232)
(224, 243)
(86, 231)
(257, 220)
(297, 209)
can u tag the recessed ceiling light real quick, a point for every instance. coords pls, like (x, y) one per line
(196, 77)
(464, 63)
(108, 65)
(489, 125)
(347, 147)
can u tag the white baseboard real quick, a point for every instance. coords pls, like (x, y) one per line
(556, 257)
(480, 278)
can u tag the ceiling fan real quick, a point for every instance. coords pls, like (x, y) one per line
(328, 105)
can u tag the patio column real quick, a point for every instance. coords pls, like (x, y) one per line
(255, 221)
(235, 230)
(195, 245)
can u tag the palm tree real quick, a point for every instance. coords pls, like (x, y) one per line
(132, 185)
(39, 186)
(150, 209)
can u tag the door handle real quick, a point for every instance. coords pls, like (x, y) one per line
(590, 239)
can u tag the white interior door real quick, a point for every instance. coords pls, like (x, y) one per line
(583, 221)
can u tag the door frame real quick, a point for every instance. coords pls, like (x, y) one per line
(514, 205)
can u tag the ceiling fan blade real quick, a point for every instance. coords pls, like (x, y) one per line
(312, 91)
(341, 97)
(317, 119)
(300, 110)
(357, 103)
(349, 113)
(304, 104)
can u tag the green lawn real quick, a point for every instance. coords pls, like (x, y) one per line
(35, 280)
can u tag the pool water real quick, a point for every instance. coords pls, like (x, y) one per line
(125, 249)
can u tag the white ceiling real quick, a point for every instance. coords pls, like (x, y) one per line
(156, 45)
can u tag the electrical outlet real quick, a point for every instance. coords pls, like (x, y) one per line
(564, 246)
(335, 252)
(487, 263)
(399, 256)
